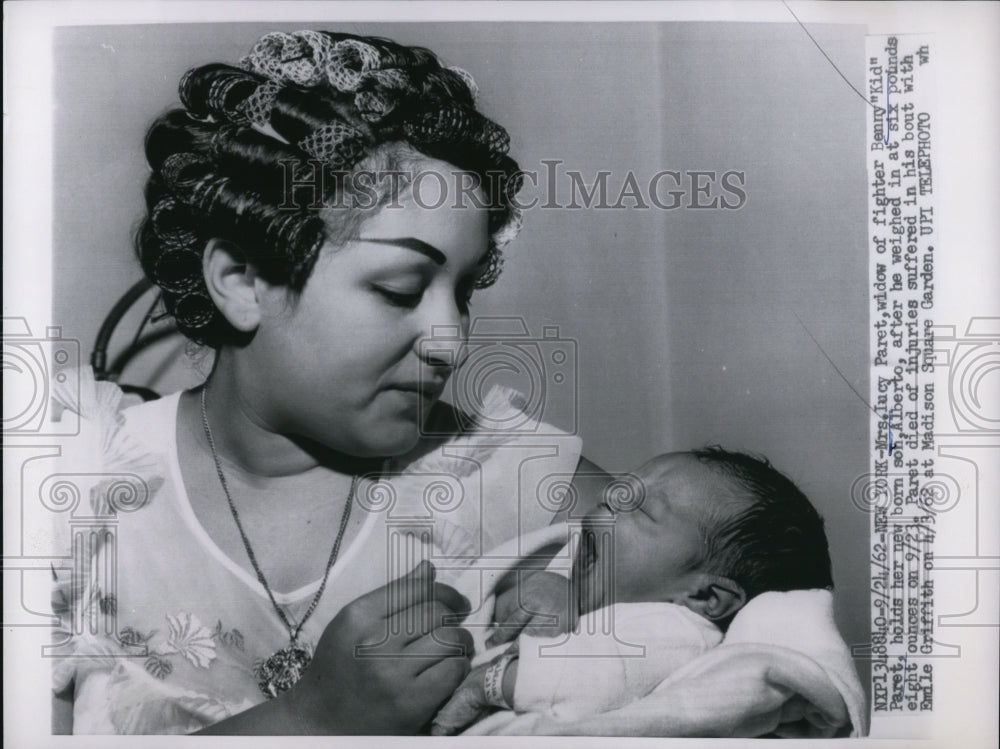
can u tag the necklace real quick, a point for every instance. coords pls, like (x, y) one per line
(286, 666)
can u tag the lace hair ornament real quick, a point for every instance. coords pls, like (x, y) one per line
(301, 97)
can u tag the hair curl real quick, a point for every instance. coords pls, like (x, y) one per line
(300, 102)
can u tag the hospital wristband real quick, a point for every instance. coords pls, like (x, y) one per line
(493, 682)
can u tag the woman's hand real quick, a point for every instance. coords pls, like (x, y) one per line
(384, 665)
(539, 603)
(389, 659)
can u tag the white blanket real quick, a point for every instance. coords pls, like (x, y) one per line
(782, 669)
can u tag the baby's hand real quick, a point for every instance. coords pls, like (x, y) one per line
(466, 706)
(539, 603)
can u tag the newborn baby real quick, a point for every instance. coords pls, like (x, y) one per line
(654, 584)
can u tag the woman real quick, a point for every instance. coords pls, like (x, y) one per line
(289, 229)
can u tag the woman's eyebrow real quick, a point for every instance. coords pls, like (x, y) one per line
(410, 243)
(418, 245)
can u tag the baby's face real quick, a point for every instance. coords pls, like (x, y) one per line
(654, 550)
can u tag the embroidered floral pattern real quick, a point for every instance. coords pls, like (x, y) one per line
(186, 637)
(159, 667)
(135, 642)
(190, 638)
(233, 638)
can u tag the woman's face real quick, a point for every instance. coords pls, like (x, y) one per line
(343, 364)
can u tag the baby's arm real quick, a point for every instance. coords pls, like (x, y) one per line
(551, 681)
(590, 671)
(537, 602)
(490, 685)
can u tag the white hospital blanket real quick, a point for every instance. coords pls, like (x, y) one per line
(782, 668)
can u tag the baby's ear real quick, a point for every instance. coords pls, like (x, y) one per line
(714, 597)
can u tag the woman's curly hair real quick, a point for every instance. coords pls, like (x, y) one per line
(238, 161)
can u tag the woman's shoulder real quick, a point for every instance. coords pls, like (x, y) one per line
(116, 434)
(100, 401)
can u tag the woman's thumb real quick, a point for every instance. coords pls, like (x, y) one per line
(423, 571)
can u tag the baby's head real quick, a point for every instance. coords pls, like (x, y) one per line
(706, 529)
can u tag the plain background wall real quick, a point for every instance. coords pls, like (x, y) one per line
(690, 326)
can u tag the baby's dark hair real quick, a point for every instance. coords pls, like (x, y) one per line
(775, 540)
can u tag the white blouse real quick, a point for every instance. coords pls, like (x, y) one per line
(160, 630)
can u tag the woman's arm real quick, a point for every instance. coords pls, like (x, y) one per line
(277, 717)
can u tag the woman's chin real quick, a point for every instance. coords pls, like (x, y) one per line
(391, 446)
(372, 440)
(386, 433)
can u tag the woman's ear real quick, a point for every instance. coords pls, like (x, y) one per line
(714, 597)
(231, 283)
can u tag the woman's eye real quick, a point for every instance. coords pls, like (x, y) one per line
(400, 298)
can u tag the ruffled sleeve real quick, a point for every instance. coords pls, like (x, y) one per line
(102, 442)
(101, 471)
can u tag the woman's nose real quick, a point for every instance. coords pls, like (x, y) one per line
(444, 334)
(443, 347)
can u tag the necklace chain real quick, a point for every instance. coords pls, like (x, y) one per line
(293, 630)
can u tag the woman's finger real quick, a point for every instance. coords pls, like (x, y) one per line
(458, 604)
(458, 636)
(412, 589)
(443, 642)
(440, 646)
(442, 675)
(417, 621)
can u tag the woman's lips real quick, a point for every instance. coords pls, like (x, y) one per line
(414, 403)
(427, 390)
(417, 399)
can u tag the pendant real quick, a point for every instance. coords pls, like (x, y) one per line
(285, 667)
